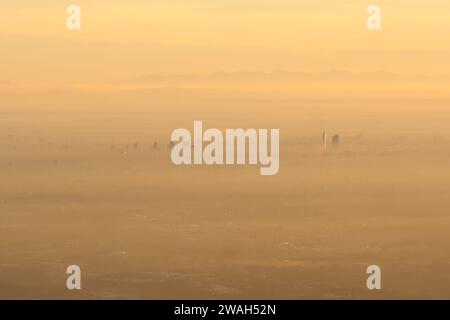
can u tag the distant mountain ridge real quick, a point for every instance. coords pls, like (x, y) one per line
(279, 76)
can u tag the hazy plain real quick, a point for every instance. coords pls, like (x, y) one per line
(75, 190)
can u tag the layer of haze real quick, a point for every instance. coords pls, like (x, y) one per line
(123, 39)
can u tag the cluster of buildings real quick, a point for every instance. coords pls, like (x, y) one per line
(334, 140)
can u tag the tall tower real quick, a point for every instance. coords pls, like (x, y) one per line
(335, 140)
(324, 141)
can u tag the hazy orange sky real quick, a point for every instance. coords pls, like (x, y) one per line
(123, 39)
